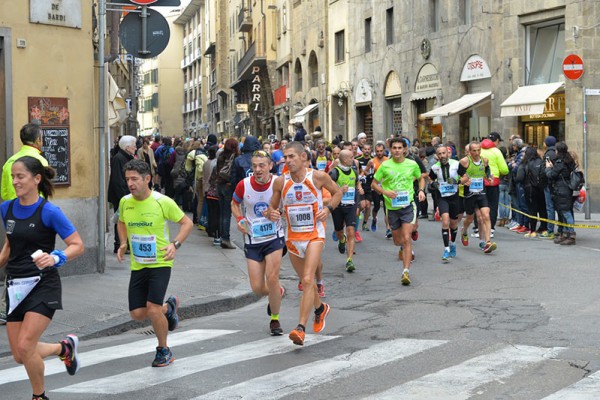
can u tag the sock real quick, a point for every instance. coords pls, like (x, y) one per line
(447, 248)
(405, 270)
(349, 259)
(274, 317)
(445, 237)
(453, 233)
(64, 350)
(300, 328)
(320, 309)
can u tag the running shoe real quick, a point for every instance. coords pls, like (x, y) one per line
(334, 237)
(452, 250)
(217, 242)
(388, 233)
(515, 227)
(415, 236)
(163, 357)
(521, 229)
(350, 266)
(275, 327)
(321, 289)
(365, 227)
(405, 279)
(492, 231)
(357, 236)
(489, 247)
(172, 317)
(2, 317)
(530, 234)
(319, 321)
(464, 238)
(71, 343)
(475, 234)
(446, 256)
(342, 245)
(482, 244)
(374, 224)
(511, 225)
(297, 336)
(300, 286)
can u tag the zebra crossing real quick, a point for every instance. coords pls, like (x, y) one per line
(495, 364)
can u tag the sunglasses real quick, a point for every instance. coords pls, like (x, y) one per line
(261, 153)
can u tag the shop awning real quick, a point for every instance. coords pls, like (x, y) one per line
(300, 116)
(457, 106)
(426, 94)
(528, 100)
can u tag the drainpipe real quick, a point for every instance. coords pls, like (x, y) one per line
(101, 137)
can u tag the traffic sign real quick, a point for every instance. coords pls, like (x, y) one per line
(143, 2)
(155, 3)
(572, 66)
(157, 34)
(592, 92)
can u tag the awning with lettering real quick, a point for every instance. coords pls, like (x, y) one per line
(426, 94)
(300, 116)
(528, 100)
(457, 106)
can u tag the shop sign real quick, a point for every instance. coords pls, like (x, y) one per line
(553, 110)
(241, 108)
(475, 68)
(256, 87)
(56, 12)
(428, 79)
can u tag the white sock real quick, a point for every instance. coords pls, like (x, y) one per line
(405, 270)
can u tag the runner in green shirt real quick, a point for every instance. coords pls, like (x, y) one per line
(143, 222)
(394, 180)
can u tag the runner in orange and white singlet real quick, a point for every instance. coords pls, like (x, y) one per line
(300, 192)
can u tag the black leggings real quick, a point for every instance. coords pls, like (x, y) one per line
(536, 204)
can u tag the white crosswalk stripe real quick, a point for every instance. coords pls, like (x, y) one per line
(147, 377)
(55, 366)
(586, 389)
(459, 382)
(303, 378)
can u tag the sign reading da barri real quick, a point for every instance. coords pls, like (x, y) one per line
(56, 12)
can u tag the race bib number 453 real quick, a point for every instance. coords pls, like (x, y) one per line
(143, 248)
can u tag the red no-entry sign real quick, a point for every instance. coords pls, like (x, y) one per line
(572, 66)
(143, 2)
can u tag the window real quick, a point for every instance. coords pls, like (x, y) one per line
(154, 75)
(367, 35)
(545, 49)
(340, 49)
(435, 15)
(313, 65)
(298, 73)
(389, 26)
(154, 100)
(464, 12)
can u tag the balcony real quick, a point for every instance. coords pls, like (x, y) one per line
(255, 56)
(244, 21)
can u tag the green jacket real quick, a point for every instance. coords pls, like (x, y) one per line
(496, 162)
(7, 190)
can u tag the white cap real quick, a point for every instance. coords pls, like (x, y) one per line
(362, 135)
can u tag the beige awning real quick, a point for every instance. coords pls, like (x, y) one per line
(528, 100)
(457, 106)
(300, 116)
(426, 94)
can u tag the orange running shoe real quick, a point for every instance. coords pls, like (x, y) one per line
(297, 336)
(319, 322)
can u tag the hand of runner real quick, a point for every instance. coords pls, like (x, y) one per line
(242, 225)
(421, 195)
(44, 260)
(121, 252)
(272, 214)
(169, 250)
(322, 214)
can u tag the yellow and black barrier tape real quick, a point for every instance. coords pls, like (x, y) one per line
(582, 226)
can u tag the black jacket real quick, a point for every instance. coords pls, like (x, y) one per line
(117, 186)
(559, 176)
(242, 165)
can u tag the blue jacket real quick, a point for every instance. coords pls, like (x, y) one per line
(242, 165)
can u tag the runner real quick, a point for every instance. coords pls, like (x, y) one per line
(472, 171)
(299, 190)
(345, 215)
(320, 157)
(373, 165)
(143, 223)
(396, 177)
(366, 177)
(444, 177)
(264, 240)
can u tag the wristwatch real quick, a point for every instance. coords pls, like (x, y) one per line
(177, 244)
(330, 209)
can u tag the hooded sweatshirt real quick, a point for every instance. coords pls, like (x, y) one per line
(495, 159)
(242, 165)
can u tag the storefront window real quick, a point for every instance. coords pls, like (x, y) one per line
(546, 45)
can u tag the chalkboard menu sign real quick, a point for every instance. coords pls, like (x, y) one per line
(52, 114)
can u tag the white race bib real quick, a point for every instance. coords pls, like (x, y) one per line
(302, 218)
(262, 227)
(348, 196)
(476, 185)
(321, 165)
(447, 189)
(18, 289)
(402, 199)
(143, 248)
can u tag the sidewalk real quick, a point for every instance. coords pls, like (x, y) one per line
(206, 278)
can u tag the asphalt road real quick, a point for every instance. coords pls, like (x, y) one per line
(521, 323)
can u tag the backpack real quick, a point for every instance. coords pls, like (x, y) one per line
(534, 171)
(576, 180)
(163, 160)
(225, 171)
(178, 167)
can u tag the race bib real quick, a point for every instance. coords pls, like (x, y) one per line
(262, 227)
(321, 165)
(402, 199)
(447, 189)
(301, 218)
(348, 196)
(18, 289)
(143, 248)
(476, 185)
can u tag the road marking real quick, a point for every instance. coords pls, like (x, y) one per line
(459, 382)
(303, 378)
(586, 389)
(87, 359)
(147, 377)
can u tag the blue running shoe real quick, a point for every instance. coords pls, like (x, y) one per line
(374, 224)
(163, 357)
(388, 234)
(71, 342)
(452, 250)
(482, 244)
(334, 237)
(172, 317)
(446, 256)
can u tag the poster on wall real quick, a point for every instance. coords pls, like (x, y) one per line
(52, 114)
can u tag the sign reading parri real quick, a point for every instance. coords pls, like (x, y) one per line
(56, 12)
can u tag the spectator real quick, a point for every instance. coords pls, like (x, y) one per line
(225, 188)
(300, 135)
(145, 153)
(518, 199)
(528, 174)
(211, 195)
(549, 154)
(504, 196)
(559, 174)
